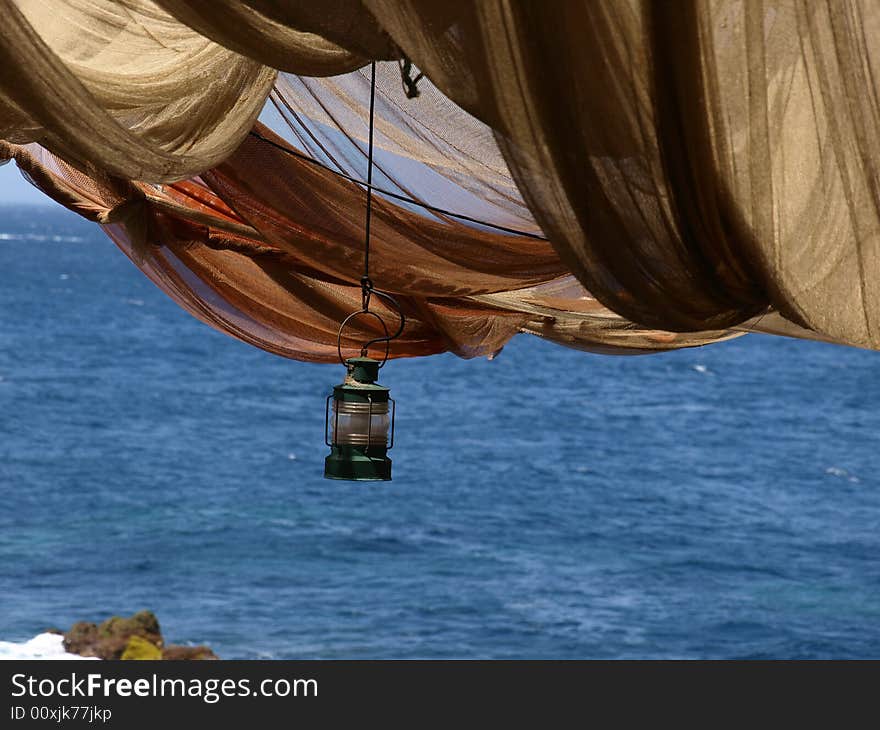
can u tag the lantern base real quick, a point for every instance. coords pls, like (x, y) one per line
(354, 464)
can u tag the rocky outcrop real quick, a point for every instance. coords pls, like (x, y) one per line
(136, 637)
(188, 653)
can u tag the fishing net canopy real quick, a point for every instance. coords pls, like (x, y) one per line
(618, 177)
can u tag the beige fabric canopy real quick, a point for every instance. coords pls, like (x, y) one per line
(608, 175)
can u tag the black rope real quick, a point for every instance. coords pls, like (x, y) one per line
(366, 284)
(367, 289)
(396, 196)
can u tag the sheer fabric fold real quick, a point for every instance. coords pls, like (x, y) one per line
(692, 163)
(300, 36)
(124, 86)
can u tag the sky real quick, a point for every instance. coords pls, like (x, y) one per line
(15, 189)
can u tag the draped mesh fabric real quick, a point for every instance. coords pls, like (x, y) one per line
(621, 177)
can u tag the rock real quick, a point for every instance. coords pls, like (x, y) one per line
(143, 624)
(136, 637)
(81, 639)
(147, 621)
(140, 648)
(177, 653)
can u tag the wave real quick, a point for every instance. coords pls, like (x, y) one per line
(42, 646)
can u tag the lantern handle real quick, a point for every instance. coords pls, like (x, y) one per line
(386, 339)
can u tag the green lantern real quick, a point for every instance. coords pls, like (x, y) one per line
(360, 428)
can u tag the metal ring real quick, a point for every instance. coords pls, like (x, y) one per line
(351, 316)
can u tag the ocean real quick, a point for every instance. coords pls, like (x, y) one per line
(713, 503)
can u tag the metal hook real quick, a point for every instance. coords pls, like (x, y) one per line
(366, 291)
(395, 305)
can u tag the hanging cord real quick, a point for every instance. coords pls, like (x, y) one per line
(367, 288)
(366, 284)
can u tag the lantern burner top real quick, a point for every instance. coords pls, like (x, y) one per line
(362, 370)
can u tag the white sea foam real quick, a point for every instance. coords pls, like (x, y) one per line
(836, 471)
(42, 646)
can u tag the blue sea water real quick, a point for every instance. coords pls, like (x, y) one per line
(712, 503)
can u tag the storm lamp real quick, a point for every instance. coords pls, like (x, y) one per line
(360, 428)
